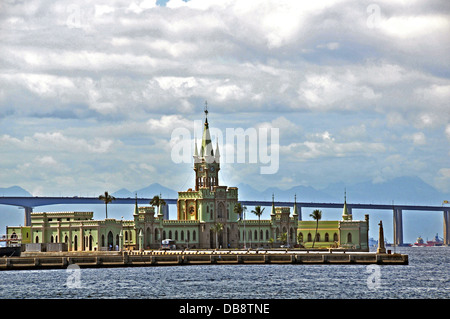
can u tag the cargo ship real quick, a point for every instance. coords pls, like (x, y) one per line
(430, 243)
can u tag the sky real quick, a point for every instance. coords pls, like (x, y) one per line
(92, 92)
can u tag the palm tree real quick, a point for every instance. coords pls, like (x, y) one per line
(316, 215)
(258, 212)
(107, 199)
(157, 201)
(283, 238)
(217, 228)
(239, 209)
(271, 241)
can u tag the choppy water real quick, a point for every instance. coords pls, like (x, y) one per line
(426, 276)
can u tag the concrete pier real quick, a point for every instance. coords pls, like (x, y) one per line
(43, 260)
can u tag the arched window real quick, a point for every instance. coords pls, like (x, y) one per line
(90, 242)
(110, 239)
(220, 210)
(182, 235)
(36, 240)
(335, 237)
(75, 243)
(261, 235)
(103, 240)
(164, 234)
(170, 234)
(194, 236)
(51, 239)
(327, 237)
(267, 234)
(66, 239)
(126, 236)
(176, 235)
(131, 233)
(249, 235)
(256, 234)
(300, 237)
(156, 234)
(309, 237)
(349, 237)
(318, 237)
(188, 235)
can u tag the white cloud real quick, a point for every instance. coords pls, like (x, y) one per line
(325, 145)
(447, 131)
(167, 123)
(327, 91)
(46, 160)
(56, 141)
(85, 78)
(417, 138)
(414, 26)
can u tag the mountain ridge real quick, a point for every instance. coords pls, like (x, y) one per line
(401, 190)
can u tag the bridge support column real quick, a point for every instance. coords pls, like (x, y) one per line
(447, 227)
(398, 227)
(27, 218)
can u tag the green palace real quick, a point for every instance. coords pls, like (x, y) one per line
(206, 219)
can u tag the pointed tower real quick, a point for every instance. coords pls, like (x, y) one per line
(196, 157)
(346, 212)
(217, 156)
(136, 208)
(295, 212)
(272, 212)
(209, 203)
(207, 166)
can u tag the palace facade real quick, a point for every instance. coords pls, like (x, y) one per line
(206, 219)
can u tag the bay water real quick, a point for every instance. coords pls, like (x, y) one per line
(426, 277)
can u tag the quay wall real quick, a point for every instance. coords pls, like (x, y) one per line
(47, 260)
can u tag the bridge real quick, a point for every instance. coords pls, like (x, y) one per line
(28, 203)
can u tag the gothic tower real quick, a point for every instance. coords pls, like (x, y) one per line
(206, 164)
(209, 205)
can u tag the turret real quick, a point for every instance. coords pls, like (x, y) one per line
(206, 165)
(295, 212)
(272, 212)
(346, 213)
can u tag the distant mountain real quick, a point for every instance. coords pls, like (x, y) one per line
(149, 191)
(401, 190)
(123, 193)
(14, 191)
(156, 189)
(304, 193)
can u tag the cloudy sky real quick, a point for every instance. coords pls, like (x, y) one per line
(91, 92)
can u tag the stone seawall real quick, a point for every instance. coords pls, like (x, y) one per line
(43, 260)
